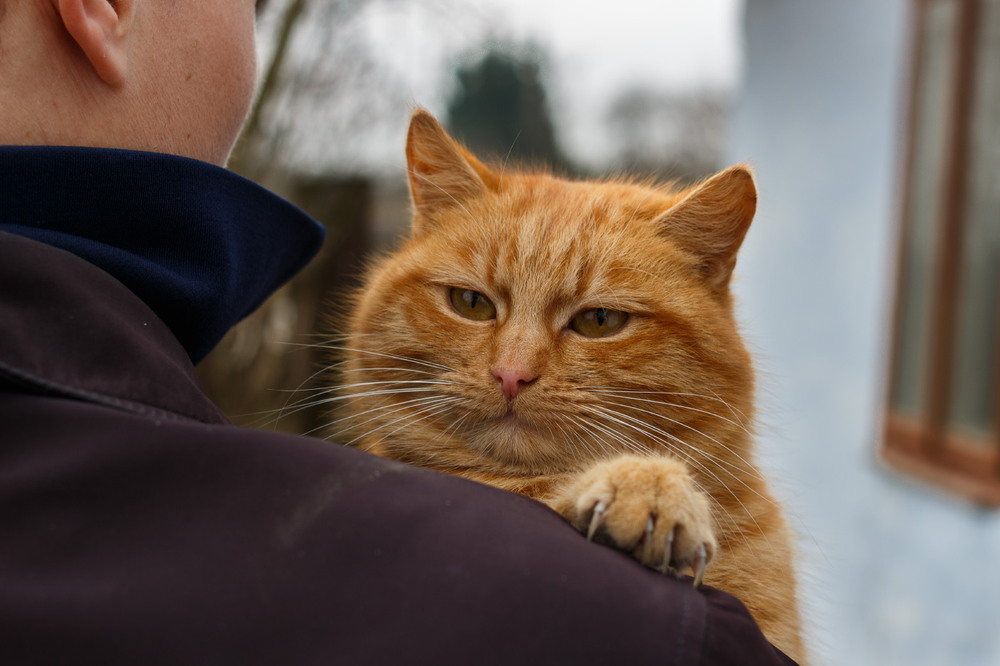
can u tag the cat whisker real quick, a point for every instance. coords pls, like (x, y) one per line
(394, 382)
(437, 409)
(738, 415)
(343, 388)
(503, 165)
(632, 447)
(389, 369)
(339, 335)
(311, 401)
(289, 408)
(665, 437)
(435, 394)
(326, 369)
(381, 412)
(330, 367)
(455, 424)
(751, 468)
(644, 428)
(629, 444)
(428, 410)
(322, 341)
(304, 389)
(691, 460)
(395, 357)
(320, 390)
(628, 393)
(573, 432)
(605, 449)
(369, 394)
(629, 396)
(583, 450)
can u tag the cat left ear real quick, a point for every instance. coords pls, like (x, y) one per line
(442, 174)
(712, 220)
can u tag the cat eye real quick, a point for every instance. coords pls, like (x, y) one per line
(598, 322)
(471, 304)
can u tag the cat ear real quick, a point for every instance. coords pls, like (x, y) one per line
(442, 173)
(712, 219)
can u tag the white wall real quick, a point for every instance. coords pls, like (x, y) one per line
(894, 573)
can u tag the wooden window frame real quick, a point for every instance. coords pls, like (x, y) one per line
(924, 446)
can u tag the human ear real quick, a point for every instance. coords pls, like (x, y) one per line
(99, 27)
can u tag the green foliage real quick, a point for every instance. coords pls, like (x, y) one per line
(500, 109)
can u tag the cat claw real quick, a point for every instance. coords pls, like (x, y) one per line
(698, 567)
(596, 519)
(668, 554)
(698, 564)
(647, 540)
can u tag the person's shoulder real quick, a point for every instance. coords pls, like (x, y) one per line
(300, 541)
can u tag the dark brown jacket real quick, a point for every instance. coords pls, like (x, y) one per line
(137, 526)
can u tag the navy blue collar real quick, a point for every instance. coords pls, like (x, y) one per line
(202, 246)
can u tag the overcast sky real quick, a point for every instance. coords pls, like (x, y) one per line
(669, 42)
(596, 49)
(601, 48)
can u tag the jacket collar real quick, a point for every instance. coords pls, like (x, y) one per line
(69, 329)
(200, 245)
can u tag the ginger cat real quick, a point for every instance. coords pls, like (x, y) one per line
(575, 342)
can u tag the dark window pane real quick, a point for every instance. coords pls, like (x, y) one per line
(932, 120)
(972, 392)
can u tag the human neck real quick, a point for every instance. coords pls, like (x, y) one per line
(199, 244)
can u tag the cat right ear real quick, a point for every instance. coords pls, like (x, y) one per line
(712, 219)
(442, 174)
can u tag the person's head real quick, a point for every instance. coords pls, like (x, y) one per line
(173, 76)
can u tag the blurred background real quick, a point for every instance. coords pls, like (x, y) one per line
(867, 287)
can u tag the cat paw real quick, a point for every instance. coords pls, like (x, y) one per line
(647, 507)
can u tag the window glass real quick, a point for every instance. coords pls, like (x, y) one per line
(932, 119)
(973, 397)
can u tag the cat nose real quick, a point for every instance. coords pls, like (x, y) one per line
(512, 381)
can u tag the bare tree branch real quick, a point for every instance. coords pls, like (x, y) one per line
(289, 20)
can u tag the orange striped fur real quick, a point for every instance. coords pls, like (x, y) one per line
(642, 438)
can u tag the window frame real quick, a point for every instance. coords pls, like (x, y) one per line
(924, 446)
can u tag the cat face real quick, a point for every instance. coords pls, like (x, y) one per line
(538, 324)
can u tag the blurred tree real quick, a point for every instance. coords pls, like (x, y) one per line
(500, 109)
(335, 82)
(250, 373)
(241, 161)
(315, 52)
(265, 371)
(677, 135)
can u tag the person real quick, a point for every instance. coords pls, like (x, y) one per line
(137, 525)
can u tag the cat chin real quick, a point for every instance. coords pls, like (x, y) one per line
(518, 444)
